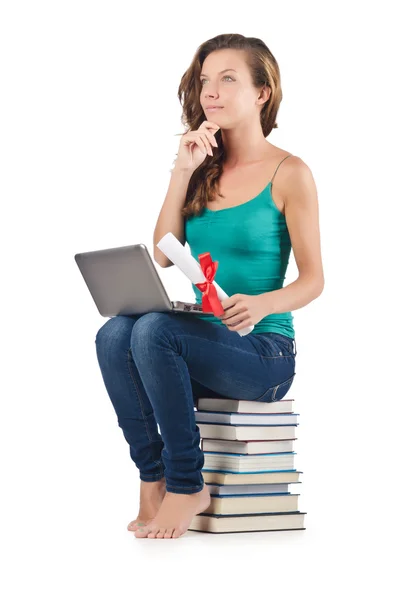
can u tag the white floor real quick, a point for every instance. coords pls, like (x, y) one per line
(71, 489)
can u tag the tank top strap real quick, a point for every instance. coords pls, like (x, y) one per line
(288, 155)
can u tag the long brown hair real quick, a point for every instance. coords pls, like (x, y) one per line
(204, 183)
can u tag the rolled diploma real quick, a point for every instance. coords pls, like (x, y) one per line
(182, 258)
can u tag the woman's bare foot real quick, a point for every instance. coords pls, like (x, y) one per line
(175, 514)
(151, 496)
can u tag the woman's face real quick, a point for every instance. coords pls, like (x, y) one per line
(230, 89)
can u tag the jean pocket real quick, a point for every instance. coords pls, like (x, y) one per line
(281, 341)
(275, 345)
(277, 392)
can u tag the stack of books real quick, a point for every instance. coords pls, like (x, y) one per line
(248, 466)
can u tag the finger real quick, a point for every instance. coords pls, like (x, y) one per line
(207, 144)
(245, 323)
(234, 311)
(238, 315)
(203, 134)
(209, 133)
(192, 139)
(228, 303)
(200, 144)
(230, 318)
(211, 138)
(233, 326)
(209, 125)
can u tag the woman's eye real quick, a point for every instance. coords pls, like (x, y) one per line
(202, 80)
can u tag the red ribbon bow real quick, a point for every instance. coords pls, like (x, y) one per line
(210, 300)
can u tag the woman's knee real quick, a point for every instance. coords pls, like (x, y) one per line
(115, 332)
(151, 324)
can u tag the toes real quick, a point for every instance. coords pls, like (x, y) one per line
(161, 532)
(142, 532)
(152, 533)
(177, 532)
(133, 526)
(168, 533)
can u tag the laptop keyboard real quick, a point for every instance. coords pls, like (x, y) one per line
(193, 308)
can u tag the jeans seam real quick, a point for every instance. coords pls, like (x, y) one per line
(182, 487)
(192, 421)
(275, 391)
(178, 370)
(238, 349)
(158, 462)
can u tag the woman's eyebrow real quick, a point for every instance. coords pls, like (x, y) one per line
(224, 71)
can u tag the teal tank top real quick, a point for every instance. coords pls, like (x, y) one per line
(252, 246)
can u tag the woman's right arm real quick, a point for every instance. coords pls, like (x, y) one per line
(170, 217)
(193, 148)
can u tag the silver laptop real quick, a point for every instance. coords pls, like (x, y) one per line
(124, 281)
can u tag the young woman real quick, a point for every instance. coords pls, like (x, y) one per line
(247, 202)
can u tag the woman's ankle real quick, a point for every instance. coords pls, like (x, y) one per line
(157, 482)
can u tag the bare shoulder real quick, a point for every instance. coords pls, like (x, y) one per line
(294, 166)
(291, 176)
(295, 176)
(297, 186)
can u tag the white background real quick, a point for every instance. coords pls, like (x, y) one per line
(89, 113)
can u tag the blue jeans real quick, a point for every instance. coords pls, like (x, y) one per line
(156, 365)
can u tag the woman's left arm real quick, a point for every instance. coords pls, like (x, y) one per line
(299, 193)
